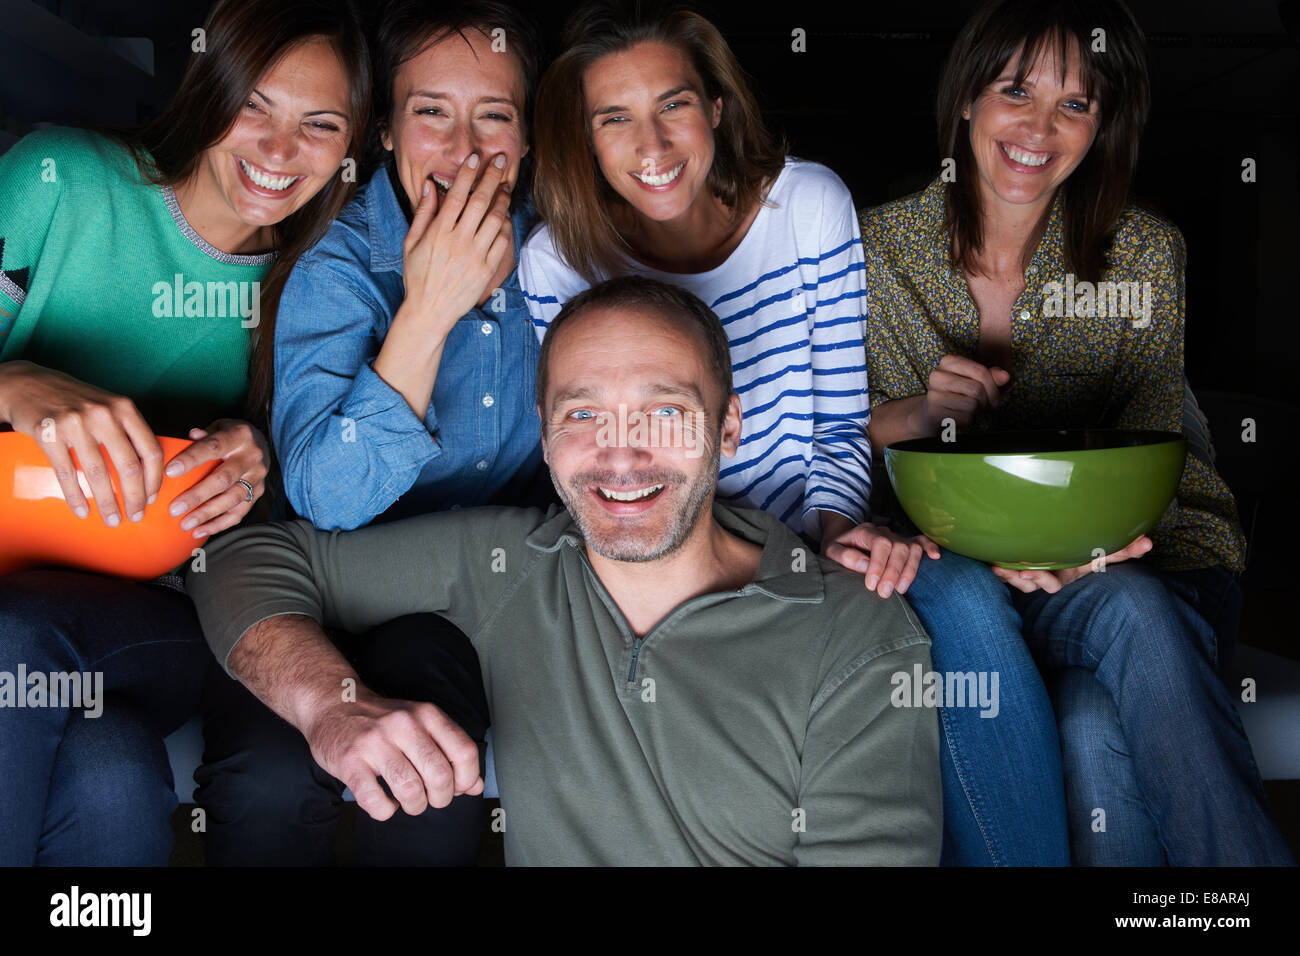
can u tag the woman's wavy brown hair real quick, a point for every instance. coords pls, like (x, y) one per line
(1097, 191)
(244, 39)
(568, 187)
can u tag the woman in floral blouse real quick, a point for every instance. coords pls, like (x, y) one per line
(1041, 107)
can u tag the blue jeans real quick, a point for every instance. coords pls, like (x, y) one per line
(1153, 743)
(94, 791)
(1003, 799)
(1147, 731)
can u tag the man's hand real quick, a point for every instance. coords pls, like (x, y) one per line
(1053, 581)
(423, 756)
(888, 560)
(291, 666)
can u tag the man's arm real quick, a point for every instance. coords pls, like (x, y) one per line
(870, 788)
(354, 734)
(267, 589)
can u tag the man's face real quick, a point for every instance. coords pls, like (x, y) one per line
(630, 430)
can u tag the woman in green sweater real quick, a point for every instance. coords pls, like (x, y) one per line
(133, 270)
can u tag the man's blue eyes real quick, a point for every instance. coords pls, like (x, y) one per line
(586, 415)
(434, 111)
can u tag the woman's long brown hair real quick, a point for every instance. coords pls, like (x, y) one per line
(568, 187)
(244, 39)
(1097, 191)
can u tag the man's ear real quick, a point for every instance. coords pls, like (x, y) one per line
(731, 427)
(542, 419)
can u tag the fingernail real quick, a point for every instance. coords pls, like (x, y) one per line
(886, 590)
(863, 565)
(139, 515)
(152, 498)
(500, 161)
(112, 521)
(173, 469)
(872, 581)
(81, 511)
(177, 508)
(425, 190)
(472, 162)
(188, 523)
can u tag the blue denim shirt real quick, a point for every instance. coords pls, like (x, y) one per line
(351, 450)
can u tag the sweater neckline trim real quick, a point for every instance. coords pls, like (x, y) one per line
(207, 248)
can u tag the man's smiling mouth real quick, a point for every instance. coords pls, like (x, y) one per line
(641, 494)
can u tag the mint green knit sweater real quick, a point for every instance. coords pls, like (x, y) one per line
(102, 278)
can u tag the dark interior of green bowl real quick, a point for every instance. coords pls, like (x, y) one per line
(1037, 442)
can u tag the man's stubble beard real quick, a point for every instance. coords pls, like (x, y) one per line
(617, 548)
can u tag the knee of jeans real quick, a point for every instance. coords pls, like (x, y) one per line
(957, 580)
(1130, 607)
(272, 767)
(114, 768)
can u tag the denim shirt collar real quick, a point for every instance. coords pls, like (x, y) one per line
(388, 224)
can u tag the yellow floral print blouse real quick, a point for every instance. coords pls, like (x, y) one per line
(1109, 356)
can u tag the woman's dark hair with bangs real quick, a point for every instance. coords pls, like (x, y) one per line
(1097, 191)
(570, 190)
(408, 27)
(244, 39)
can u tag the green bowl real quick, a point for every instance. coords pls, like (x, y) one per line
(1037, 499)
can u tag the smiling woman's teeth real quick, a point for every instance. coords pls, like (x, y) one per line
(441, 183)
(278, 183)
(1023, 158)
(612, 495)
(663, 179)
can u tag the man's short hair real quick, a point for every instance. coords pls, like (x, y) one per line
(631, 292)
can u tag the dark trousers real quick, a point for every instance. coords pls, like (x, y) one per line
(268, 803)
(80, 787)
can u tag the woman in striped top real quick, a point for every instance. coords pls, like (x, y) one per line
(683, 183)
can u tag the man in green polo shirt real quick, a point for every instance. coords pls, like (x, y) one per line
(671, 680)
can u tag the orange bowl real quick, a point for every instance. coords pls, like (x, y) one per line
(38, 528)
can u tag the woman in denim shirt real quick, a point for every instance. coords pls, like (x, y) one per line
(404, 373)
(404, 368)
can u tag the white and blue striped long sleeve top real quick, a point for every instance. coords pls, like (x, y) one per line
(792, 299)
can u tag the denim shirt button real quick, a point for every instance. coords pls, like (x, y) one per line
(481, 466)
(486, 327)
(488, 401)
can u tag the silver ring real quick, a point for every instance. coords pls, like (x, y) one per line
(250, 496)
